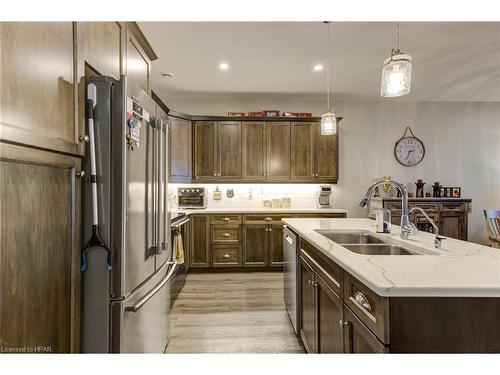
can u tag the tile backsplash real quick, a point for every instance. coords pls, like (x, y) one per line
(253, 195)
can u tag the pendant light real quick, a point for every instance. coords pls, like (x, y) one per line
(396, 73)
(328, 120)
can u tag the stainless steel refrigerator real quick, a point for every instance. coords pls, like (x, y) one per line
(126, 309)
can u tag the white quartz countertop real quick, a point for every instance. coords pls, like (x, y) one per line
(459, 269)
(254, 210)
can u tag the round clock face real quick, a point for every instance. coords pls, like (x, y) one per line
(409, 151)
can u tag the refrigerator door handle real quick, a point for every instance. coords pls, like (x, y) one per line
(153, 291)
(161, 187)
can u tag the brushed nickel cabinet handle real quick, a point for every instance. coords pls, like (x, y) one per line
(363, 301)
(226, 256)
(80, 174)
(314, 285)
(343, 323)
(226, 219)
(84, 138)
(226, 235)
(215, 174)
(268, 218)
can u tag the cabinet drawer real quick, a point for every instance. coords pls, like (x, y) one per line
(453, 207)
(265, 218)
(370, 308)
(329, 271)
(224, 255)
(225, 219)
(428, 207)
(226, 233)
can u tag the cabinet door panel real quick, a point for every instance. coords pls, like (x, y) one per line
(39, 259)
(137, 65)
(205, 150)
(330, 313)
(200, 241)
(229, 147)
(307, 307)
(180, 150)
(278, 151)
(303, 142)
(276, 245)
(452, 225)
(103, 47)
(255, 246)
(37, 76)
(358, 338)
(327, 155)
(254, 150)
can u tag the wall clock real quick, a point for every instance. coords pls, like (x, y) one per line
(409, 150)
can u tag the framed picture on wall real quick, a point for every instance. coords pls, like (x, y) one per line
(455, 192)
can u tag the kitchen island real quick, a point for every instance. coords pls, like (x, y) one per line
(430, 300)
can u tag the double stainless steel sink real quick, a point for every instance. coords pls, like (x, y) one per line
(362, 242)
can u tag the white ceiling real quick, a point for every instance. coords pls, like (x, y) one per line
(452, 61)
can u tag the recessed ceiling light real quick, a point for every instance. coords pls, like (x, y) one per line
(167, 74)
(223, 66)
(318, 67)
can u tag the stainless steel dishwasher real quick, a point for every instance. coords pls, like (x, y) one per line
(290, 275)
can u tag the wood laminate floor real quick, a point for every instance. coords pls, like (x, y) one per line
(232, 313)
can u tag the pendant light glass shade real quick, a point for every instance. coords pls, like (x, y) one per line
(328, 123)
(396, 75)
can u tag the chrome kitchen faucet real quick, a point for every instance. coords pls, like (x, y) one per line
(407, 227)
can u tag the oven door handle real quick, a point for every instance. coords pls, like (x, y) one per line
(155, 290)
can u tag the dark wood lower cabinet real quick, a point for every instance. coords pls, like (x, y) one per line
(255, 249)
(200, 241)
(307, 307)
(275, 245)
(39, 251)
(330, 315)
(358, 338)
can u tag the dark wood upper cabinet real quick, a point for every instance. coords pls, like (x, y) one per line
(326, 156)
(180, 150)
(229, 150)
(38, 91)
(138, 64)
(205, 150)
(103, 47)
(278, 151)
(254, 151)
(303, 151)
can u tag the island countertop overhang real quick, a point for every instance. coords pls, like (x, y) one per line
(459, 269)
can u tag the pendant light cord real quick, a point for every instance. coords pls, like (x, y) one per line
(328, 66)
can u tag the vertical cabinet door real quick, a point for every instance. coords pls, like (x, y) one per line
(39, 250)
(103, 46)
(453, 224)
(330, 316)
(275, 245)
(38, 91)
(255, 245)
(180, 150)
(200, 242)
(303, 151)
(138, 64)
(326, 155)
(229, 150)
(254, 151)
(358, 338)
(278, 151)
(205, 147)
(307, 307)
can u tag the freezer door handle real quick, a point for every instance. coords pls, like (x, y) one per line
(153, 291)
